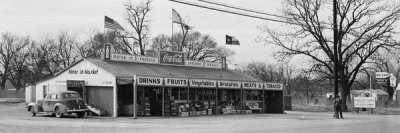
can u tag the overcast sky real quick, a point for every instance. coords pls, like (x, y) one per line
(38, 18)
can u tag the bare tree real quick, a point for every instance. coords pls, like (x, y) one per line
(10, 46)
(19, 73)
(199, 47)
(137, 16)
(362, 27)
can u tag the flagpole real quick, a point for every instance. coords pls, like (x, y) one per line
(172, 33)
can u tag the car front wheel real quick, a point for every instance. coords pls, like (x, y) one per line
(58, 113)
(32, 110)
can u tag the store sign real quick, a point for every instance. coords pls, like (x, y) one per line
(123, 57)
(212, 65)
(380, 75)
(169, 57)
(273, 86)
(194, 63)
(364, 102)
(75, 83)
(83, 71)
(229, 84)
(176, 82)
(252, 85)
(157, 81)
(202, 83)
(146, 59)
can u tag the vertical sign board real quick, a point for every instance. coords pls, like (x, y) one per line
(202, 83)
(174, 58)
(364, 102)
(252, 85)
(273, 86)
(179, 82)
(228, 84)
(150, 81)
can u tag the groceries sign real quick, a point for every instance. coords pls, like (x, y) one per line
(169, 57)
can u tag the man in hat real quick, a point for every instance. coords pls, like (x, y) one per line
(338, 107)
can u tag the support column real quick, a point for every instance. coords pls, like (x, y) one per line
(263, 96)
(134, 97)
(216, 101)
(115, 100)
(163, 101)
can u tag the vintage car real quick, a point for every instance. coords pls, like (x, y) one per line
(60, 103)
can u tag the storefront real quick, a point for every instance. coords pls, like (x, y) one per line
(164, 86)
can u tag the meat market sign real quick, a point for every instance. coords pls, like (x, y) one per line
(169, 57)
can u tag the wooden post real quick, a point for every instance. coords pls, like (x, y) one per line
(134, 97)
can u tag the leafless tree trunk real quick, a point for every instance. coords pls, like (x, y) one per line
(137, 16)
(364, 26)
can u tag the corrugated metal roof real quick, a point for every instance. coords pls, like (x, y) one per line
(128, 69)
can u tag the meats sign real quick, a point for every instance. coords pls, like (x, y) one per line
(175, 58)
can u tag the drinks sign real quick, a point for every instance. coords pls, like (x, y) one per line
(156, 81)
(169, 57)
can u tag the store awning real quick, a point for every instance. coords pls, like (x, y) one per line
(124, 71)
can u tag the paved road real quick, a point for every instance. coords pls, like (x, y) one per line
(15, 119)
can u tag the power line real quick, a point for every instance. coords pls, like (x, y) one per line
(231, 12)
(241, 8)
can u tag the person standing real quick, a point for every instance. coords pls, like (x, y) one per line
(338, 107)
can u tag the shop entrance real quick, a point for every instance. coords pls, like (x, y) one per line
(125, 100)
(273, 102)
(149, 102)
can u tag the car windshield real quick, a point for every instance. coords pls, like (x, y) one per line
(70, 95)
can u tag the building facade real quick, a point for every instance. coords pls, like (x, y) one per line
(168, 85)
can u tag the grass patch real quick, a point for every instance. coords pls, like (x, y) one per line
(12, 100)
(312, 108)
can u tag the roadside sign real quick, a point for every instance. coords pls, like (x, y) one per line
(382, 81)
(364, 102)
(392, 80)
(381, 75)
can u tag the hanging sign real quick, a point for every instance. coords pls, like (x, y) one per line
(176, 82)
(155, 81)
(169, 57)
(273, 86)
(229, 84)
(252, 85)
(202, 83)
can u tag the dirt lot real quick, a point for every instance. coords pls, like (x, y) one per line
(14, 118)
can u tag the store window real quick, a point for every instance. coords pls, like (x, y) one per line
(229, 101)
(252, 101)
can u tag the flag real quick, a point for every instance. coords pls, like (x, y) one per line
(111, 24)
(176, 18)
(231, 40)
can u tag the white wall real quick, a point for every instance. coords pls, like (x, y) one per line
(85, 70)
